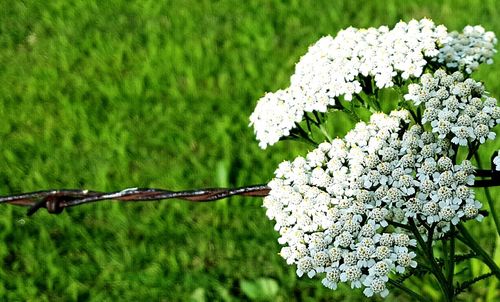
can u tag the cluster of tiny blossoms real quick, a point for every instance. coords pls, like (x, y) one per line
(456, 108)
(275, 115)
(335, 67)
(341, 67)
(465, 51)
(332, 66)
(336, 208)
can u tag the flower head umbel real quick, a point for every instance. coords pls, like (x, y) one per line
(275, 115)
(465, 51)
(456, 107)
(334, 208)
(357, 59)
(338, 67)
(354, 208)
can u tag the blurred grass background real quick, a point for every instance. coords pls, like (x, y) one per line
(106, 95)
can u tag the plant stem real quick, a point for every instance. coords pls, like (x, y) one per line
(483, 255)
(303, 134)
(419, 115)
(414, 116)
(484, 173)
(325, 133)
(311, 120)
(375, 102)
(399, 225)
(408, 291)
(491, 204)
(455, 154)
(429, 254)
(446, 255)
(473, 152)
(469, 283)
(351, 112)
(451, 259)
(308, 123)
(319, 120)
(364, 103)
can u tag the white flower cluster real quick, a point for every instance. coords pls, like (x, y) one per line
(275, 115)
(456, 108)
(338, 66)
(331, 66)
(344, 65)
(465, 51)
(335, 208)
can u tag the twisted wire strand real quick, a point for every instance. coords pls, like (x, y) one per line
(55, 201)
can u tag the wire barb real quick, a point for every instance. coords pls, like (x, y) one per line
(55, 201)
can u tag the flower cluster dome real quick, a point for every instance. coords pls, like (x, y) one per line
(358, 59)
(334, 67)
(338, 209)
(466, 50)
(455, 107)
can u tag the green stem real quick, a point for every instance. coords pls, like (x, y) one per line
(473, 152)
(303, 134)
(308, 123)
(419, 115)
(451, 260)
(408, 291)
(446, 255)
(416, 119)
(469, 283)
(491, 204)
(325, 133)
(319, 120)
(483, 255)
(375, 102)
(310, 119)
(366, 102)
(399, 225)
(352, 113)
(429, 254)
(363, 102)
(430, 237)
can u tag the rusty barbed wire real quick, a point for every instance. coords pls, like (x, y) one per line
(55, 201)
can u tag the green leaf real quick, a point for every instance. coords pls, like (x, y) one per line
(198, 295)
(262, 289)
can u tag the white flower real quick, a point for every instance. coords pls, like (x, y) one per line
(455, 107)
(405, 260)
(466, 50)
(332, 206)
(332, 278)
(305, 265)
(375, 285)
(274, 116)
(342, 67)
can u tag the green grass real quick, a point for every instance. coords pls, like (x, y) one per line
(112, 94)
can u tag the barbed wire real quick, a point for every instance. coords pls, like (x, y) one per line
(55, 201)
